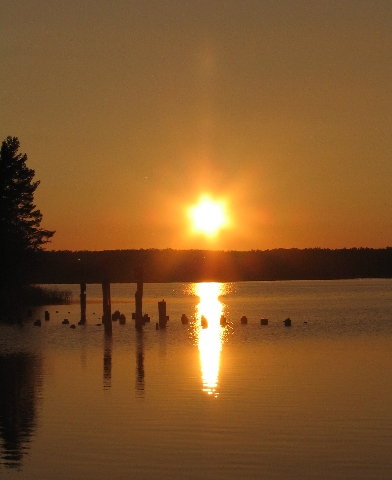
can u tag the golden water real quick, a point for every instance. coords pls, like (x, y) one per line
(311, 401)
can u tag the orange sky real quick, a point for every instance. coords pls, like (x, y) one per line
(130, 110)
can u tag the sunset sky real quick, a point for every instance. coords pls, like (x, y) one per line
(131, 111)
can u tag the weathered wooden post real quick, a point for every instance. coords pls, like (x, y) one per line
(162, 314)
(107, 307)
(139, 321)
(82, 304)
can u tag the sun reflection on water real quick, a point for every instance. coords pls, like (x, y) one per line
(210, 339)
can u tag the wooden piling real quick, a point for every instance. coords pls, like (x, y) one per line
(82, 304)
(162, 314)
(139, 321)
(107, 307)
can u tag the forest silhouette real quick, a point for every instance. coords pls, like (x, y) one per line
(206, 265)
(20, 224)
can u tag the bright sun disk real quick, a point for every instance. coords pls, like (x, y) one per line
(208, 216)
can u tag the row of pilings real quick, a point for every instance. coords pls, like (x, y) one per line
(106, 305)
(138, 316)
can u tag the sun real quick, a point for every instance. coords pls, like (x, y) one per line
(208, 216)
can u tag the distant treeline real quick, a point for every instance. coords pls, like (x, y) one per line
(206, 265)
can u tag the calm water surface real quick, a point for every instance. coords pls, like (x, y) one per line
(310, 401)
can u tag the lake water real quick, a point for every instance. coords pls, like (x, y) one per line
(310, 401)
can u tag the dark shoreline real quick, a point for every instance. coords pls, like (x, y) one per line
(61, 267)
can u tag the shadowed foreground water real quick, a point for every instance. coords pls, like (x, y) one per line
(310, 401)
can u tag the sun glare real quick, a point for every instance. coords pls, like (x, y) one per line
(210, 339)
(208, 216)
